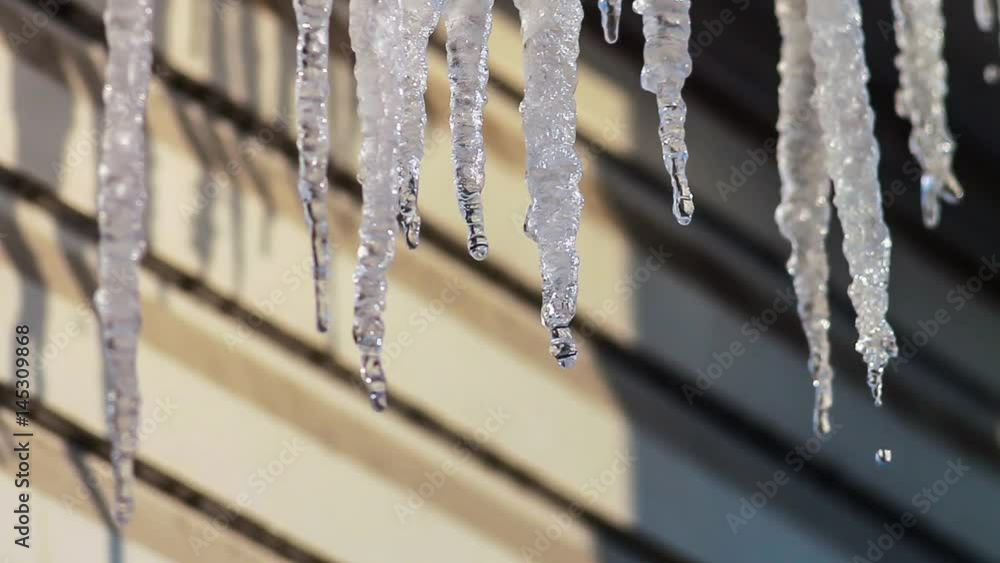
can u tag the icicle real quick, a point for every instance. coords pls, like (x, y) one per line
(121, 204)
(804, 214)
(611, 16)
(667, 27)
(375, 36)
(551, 32)
(923, 85)
(852, 162)
(469, 23)
(312, 87)
(984, 12)
(419, 18)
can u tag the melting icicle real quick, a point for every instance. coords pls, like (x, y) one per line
(551, 31)
(419, 18)
(312, 87)
(923, 85)
(375, 37)
(611, 17)
(852, 162)
(667, 27)
(121, 204)
(804, 214)
(469, 23)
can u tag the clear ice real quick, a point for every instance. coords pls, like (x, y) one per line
(666, 25)
(803, 216)
(312, 87)
(923, 86)
(419, 18)
(121, 206)
(852, 155)
(469, 23)
(611, 17)
(376, 32)
(551, 30)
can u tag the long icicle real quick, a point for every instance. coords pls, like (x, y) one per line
(312, 88)
(852, 162)
(611, 17)
(121, 205)
(469, 23)
(551, 32)
(803, 216)
(375, 33)
(923, 86)
(667, 27)
(419, 18)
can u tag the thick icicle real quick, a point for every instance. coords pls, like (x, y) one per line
(121, 204)
(667, 27)
(804, 214)
(469, 23)
(611, 17)
(852, 162)
(419, 18)
(312, 87)
(375, 35)
(923, 85)
(551, 31)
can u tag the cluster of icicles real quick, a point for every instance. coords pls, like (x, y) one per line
(826, 137)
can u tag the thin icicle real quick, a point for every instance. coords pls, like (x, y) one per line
(923, 86)
(852, 162)
(121, 204)
(804, 214)
(611, 17)
(667, 27)
(419, 18)
(312, 87)
(469, 23)
(551, 32)
(375, 34)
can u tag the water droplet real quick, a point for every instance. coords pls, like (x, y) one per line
(883, 457)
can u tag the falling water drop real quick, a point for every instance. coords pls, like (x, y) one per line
(312, 87)
(852, 155)
(991, 74)
(418, 20)
(804, 214)
(923, 85)
(611, 15)
(469, 23)
(551, 31)
(121, 204)
(666, 24)
(375, 32)
(883, 457)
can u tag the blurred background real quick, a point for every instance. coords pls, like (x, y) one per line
(684, 432)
